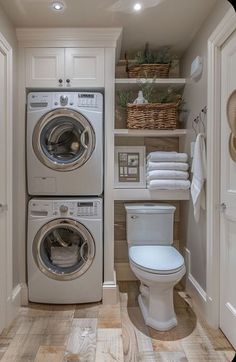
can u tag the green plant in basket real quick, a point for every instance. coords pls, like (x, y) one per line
(170, 96)
(149, 93)
(125, 97)
(161, 56)
(148, 90)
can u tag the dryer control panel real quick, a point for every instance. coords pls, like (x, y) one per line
(88, 208)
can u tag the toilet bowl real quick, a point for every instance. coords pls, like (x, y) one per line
(156, 289)
(154, 261)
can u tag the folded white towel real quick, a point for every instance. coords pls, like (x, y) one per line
(169, 184)
(65, 262)
(178, 166)
(199, 176)
(59, 253)
(160, 156)
(66, 265)
(167, 175)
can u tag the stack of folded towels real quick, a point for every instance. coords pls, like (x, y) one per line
(65, 257)
(167, 171)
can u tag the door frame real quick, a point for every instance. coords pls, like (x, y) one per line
(6, 49)
(222, 32)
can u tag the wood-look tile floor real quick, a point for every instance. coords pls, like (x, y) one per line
(94, 332)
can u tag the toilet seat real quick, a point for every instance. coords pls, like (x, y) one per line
(156, 259)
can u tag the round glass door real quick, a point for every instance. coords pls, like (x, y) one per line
(63, 249)
(63, 140)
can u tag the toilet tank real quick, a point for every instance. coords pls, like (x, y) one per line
(149, 224)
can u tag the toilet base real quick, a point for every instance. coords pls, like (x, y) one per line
(156, 297)
(154, 323)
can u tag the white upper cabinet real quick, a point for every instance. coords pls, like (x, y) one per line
(45, 67)
(84, 67)
(64, 67)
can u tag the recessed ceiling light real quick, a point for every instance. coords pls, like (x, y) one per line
(58, 5)
(137, 7)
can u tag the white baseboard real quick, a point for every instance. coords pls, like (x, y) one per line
(14, 303)
(124, 272)
(194, 289)
(110, 293)
(24, 294)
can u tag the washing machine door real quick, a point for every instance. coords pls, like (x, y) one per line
(63, 139)
(63, 249)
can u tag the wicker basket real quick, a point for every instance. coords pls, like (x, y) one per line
(148, 70)
(152, 116)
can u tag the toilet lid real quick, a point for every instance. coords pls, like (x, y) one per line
(156, 258)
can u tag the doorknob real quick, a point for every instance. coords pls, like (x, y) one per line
(223, 207)
(3, 208)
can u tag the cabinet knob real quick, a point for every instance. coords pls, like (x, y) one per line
(68, 81)
(60, 81)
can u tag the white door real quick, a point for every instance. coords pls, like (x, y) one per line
(3, 192)
(228, 199)
(45, 67)
(84, 67)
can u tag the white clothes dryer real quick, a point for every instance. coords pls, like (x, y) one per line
(65, 250)
(65, 143)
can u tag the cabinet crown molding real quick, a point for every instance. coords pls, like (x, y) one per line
(105, 37)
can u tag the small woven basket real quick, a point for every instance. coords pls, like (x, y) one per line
(152, 116)
(148, 70)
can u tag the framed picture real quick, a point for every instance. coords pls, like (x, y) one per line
(130, 167)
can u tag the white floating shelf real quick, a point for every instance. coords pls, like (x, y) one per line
(149, 133)
(145, 194)
(176, 83)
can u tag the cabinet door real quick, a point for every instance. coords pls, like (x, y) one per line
(45, 67)
(84, 67)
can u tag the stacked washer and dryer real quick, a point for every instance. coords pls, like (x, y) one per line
(65, 183)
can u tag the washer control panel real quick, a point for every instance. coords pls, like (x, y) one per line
(75, 100)
(66, 208)
(76, 208)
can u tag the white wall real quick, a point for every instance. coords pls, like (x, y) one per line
(8, 31)
(195, 95)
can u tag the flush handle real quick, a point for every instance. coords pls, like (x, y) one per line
(133, 217)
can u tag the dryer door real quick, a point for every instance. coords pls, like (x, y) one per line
(63, 139)
(63, 249)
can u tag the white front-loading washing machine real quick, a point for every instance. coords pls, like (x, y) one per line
(65, 250)
(65, 143)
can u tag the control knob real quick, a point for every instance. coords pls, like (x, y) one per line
(64, 100)
(63, 208)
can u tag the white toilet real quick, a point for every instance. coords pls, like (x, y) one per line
(154, 261)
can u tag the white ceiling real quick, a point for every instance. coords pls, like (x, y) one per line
(172, 22)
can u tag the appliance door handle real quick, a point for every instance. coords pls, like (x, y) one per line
(82, 251)
(3, 208)
(82, 138)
